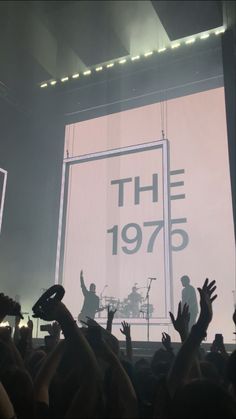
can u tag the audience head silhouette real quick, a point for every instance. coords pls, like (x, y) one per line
(86, 375)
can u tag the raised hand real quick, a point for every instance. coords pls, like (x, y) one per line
(81, 275)
(52, 310)
(166, 341)
(234, 316)
(206, 299)
(110, 316)
(110, 313)
(126, 329)
(182, 320)
(30, 324)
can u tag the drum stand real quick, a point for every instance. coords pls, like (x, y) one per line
(100, 300)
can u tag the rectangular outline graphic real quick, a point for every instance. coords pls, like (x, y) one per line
(3, 196)
(67, 162)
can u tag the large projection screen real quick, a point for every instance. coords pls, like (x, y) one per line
(136, 206)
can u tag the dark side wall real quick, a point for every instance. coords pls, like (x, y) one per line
(31, 152)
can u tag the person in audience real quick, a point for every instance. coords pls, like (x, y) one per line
(85, 375)
(127, 333)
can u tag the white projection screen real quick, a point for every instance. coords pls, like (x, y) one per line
(135, 206)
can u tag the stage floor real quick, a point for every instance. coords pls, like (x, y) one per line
(147, 349)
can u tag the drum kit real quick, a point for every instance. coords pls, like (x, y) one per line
(56, 293)
(124, 308)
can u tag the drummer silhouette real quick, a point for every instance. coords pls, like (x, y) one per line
(134, 301)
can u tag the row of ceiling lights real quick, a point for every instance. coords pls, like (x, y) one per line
(190, 40)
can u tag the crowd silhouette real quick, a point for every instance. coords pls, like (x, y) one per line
(80, 372)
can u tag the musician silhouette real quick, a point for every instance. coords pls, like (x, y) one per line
(91, 301)
(189, 297)
(134, 300)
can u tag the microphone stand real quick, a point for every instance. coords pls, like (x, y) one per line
(101, 294)
(148, 314)
(101, 297)
(37, 321)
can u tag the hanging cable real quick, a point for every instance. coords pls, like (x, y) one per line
(68, 129)
(73, 140)
(162, 119)
(166, 115)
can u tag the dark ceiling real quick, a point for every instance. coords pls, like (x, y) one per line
(42, 40)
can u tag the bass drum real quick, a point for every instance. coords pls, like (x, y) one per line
(124, 309)
(144, 309)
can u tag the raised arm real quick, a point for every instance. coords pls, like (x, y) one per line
(181, 325)
(25, 342)
(126, 331)
(16, 335)
(182, 321)
(122, 399)
(110, 317)
(186, 355)
(83, 287)
(56, 310)
(46, 373)
(166, 342)
(6, 408)
(5, 335)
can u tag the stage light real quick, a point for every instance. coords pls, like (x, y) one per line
(87, 72)
(219, 31)
(22, 325)
(4, 324)
(99, 68)
(44, 85)
(135, 58)
(162, 49)
(75, 76)
(175, 45)
(110, 65)
(122, 61)
(190, 41)
(53, 82)
(204, 36)
(64, 79)
(147, 54)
